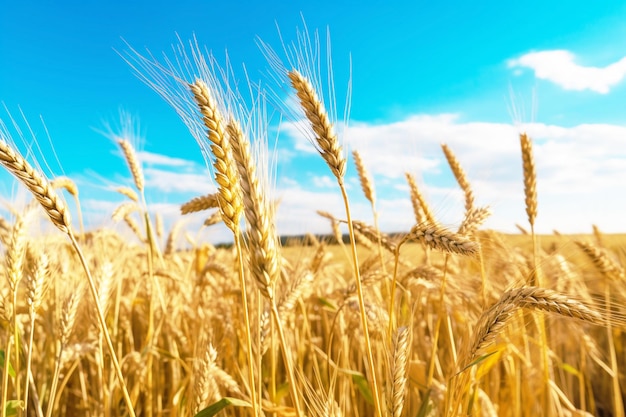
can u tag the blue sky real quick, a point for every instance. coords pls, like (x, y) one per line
(470, 75)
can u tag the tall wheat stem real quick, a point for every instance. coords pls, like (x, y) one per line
(442, 311)
(5, 376)
(29, 357)
(392, 294)
(618, 405)
(363, 314)
(287, 358)
(17, 342)
(246, 319)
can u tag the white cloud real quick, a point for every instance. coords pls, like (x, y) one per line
(151, 158)
(197, 182)
(558, 66)
(324, 181)
(579, 169)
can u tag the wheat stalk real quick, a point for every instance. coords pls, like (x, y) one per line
(213, 219)
(262, 237)
(128, 192)
(225, 171)
(133, 163)
(367, 184)
(329, 148)
(374, 236)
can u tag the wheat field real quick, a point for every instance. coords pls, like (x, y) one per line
(429, 321)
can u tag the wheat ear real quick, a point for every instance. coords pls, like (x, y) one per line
(522, 229)
(70, 186)
(401, 353)
(158, 225)
(133, 163)
(474, 218)
(263, 241)
(124, 210)
(373, 235)
(128, 192)
(327, 143)
(367, 184)
(436, 237)
(530, 178)
(420, 206)
(597, 233)
(201, 203)
(15, 257)
(66, 326)
(214, 218)
(37, 280)
(5, 231)
(602, 260)
(460, 176)
(37, 185)
(262, 238)
(225, 172)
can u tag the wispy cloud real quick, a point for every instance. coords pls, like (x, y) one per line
(558, 66)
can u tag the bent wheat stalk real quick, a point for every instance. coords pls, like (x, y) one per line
(55, 208)
(493, 320)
